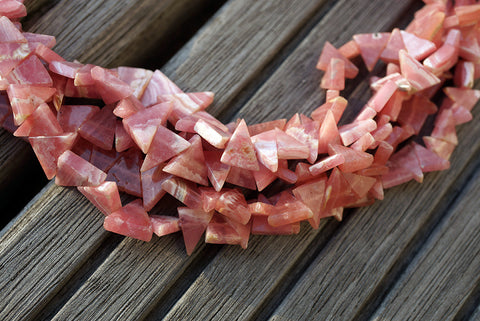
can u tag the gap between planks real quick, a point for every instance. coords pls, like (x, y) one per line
(35, 10)
(17, 190)
(475, 316)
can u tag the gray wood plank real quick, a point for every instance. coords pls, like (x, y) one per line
(445, 273)
(113, 32)
(44, 247)
(240, 284)
(130, 278)
(84, 299)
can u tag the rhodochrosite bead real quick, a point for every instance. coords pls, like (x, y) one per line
(371, 46)
(131, 220)
(104, 196)
(146, 137)
(232, 204)
(42, 122)
(152, 181)
(24, 99)
(72, 170)
(193, 223)
(100, 128)
(163, 225)
(49, 148)
(240, 151)
(71, 117)
(329, 52)
(143, 124)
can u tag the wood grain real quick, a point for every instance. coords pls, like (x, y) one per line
(446, 270)
(45, 246)
(137, 272)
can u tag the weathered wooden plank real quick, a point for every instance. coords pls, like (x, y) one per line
(227, 62)
(359, 264)
(112, 32)
(151, 262)
(35, 254)
(247, 263)
(446, 272)
(240, 284)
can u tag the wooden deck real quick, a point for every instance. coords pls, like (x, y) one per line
(413, 256)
